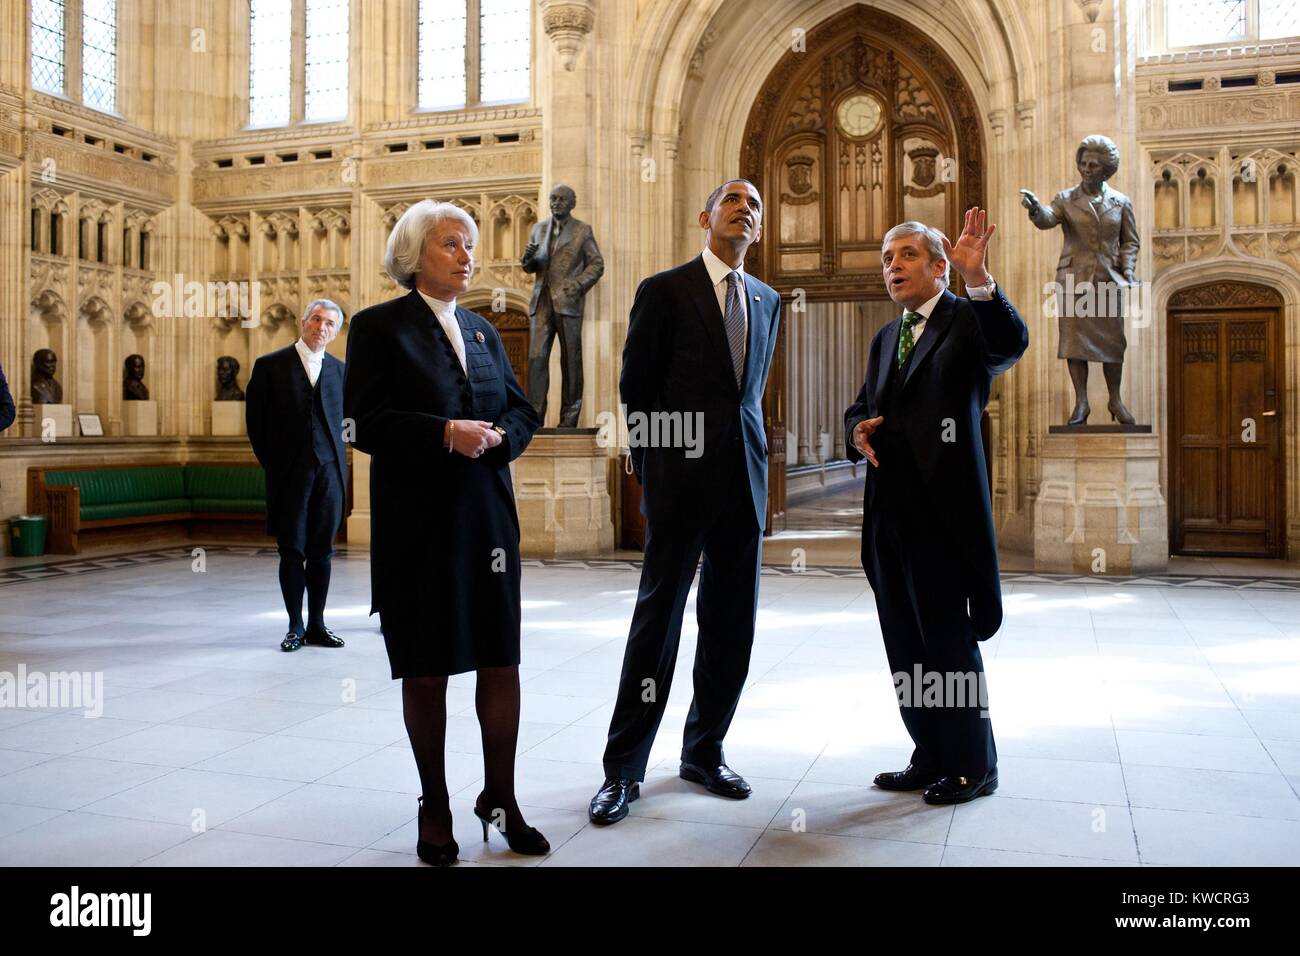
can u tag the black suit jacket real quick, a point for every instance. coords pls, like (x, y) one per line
(277, 410)
(965, 343)
(7, 409)
(437, 518)
(676, 360)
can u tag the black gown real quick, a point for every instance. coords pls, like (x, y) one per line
(444, 540)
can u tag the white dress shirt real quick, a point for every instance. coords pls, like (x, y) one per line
(924, 311)
(445, 313)
(718, 272)
(311, 361)
(928, 306)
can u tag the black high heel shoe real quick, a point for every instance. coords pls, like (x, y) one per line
(527, 841)
(1080, 414)
(1119, 412)
(432, 853)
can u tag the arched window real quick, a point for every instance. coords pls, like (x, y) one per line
(48, 38)
(74, 50)
(297, 61)
(1187, 23)
(99, 54)
(474, 53)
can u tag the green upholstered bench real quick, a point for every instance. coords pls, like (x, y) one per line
(84, 499)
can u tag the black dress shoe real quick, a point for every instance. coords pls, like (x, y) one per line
(435, 854)
(292, 641)
(322, 638)
(609, 805)
(961, 789)
(721, 780)
(526, 840)
(913, 778)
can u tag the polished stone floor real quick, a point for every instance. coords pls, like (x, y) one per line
(1137, 723)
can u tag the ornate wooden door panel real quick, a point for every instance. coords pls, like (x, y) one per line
(871, 124)
(1225, 379)
(512, 324)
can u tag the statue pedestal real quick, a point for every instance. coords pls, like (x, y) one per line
(60, 417)
(359, 519)
(228, 418)
(140, 418)
(1099, 508)
(562, 495)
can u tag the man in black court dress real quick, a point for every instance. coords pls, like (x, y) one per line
(699, 347)
(927, 526)
(294, 410)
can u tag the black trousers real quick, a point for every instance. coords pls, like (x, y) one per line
(544, 325)
(918, 576)
(311, 509)
(725, 609)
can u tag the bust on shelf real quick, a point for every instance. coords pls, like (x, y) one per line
(228, 389)
(133, 387)
(46, 389)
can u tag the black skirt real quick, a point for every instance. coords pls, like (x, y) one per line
(470, 638)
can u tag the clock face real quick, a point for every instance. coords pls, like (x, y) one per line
(859, 115)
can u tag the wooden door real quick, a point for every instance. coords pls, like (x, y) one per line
(512, 324)
(1226, 464)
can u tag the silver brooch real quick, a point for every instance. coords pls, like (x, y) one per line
(478, 336)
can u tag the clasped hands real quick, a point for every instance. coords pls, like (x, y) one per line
(470, 437)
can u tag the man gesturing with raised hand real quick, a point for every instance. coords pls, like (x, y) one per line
(928, 546)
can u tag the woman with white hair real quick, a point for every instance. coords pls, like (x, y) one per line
(439, 411)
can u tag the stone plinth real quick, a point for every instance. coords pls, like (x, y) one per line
(228, 419)
(562, 495)
(1099, 508)
(359, 519)
(60, 417)
(140, 419)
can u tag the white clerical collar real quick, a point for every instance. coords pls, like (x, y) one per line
(307, 354)
(441, 308)
(718, 269)
(928, 306)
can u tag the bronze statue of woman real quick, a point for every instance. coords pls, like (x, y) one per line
(1096, 265)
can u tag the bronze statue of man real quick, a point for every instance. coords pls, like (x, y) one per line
(133, 387)
(562, 252)
(228, 389)
(1096, 265)
(46, 389)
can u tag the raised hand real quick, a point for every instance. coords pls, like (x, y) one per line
(967, 254)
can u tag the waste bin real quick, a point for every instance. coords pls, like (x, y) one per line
(27, 535)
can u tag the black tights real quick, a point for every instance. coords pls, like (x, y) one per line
(424, 709)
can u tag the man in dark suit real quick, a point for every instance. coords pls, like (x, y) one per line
(294, 410)
(928, 546)
(699, 347)
(562, 252)
(7, 409)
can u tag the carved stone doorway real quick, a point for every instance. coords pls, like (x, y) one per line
(867, 126)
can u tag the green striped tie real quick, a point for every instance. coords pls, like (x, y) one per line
(905, 340)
